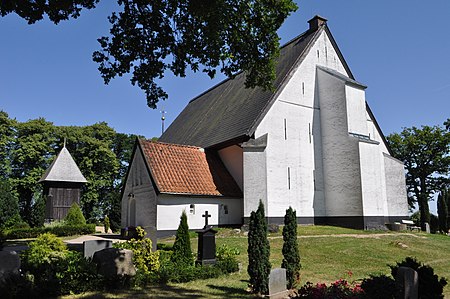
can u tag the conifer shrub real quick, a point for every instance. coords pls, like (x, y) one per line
(442, 209)
(291, 254)
(182, 252)
(430, 285)
(75, 216)
(258, 252)
(106, 224)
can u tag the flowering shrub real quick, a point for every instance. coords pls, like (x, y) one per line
(336, 290)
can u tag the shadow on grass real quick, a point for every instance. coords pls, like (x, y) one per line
(158, 291)
(230, 292)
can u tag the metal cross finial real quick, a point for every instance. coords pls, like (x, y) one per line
(206, 216)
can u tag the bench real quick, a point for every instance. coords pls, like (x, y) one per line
(410, 225)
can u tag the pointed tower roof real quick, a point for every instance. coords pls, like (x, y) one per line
(63, 169)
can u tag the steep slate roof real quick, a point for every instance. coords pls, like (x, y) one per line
(229, 111)
(187, 170)
(63, 169)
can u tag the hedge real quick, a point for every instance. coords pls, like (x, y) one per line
(60, 231)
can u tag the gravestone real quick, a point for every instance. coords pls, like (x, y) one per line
(92, 246)
(9, 264)
(407, 281)
(277, 283)
(427, 227)
(206, 243)
(112, 262)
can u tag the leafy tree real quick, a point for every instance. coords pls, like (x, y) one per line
(75, 216)
(31, 153)
(9, 206)
(7, 132)
(291, 255)
(258, 252)
(182, 253)
(443, 211)
(425, 153)
(149, 38)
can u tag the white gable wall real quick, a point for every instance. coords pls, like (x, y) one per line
(140, 208)
(232, 158)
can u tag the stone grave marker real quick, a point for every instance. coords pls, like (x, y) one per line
(277, 283)
(427, 227)
(92, 246)
(9, 263)
(407, 281)
(113, 262)
(206, 243)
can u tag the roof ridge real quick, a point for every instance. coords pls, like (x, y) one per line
(167, 143)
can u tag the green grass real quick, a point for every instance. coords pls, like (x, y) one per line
(327, 254)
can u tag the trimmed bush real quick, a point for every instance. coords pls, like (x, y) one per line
(60, 231)
(442, 210)
(106, 224)
(182, 252)
(291, 255)
(430, 285)
(75, 216)
(258, 252)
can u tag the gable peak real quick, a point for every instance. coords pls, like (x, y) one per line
(316, 22)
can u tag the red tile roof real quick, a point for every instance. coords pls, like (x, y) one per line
(184, 169)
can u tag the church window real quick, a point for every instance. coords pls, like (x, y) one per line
(318, 54)
(303, 88)
(192, 209)
(285, 130)
(289, 177)
(225, 209)
(309, 132)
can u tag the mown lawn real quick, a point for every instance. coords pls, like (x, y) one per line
(327, 254)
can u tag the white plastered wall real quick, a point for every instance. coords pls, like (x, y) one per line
(232, 158)
(170, 208)
(395, 186)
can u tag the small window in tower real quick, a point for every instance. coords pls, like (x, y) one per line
(192, 209)
(303, 88)
(318, 54)
(326, 52)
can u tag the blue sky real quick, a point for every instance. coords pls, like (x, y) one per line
(398, 48)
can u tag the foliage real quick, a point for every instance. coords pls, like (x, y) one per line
(9, 206)
(430, 285)
(61, 231)
(182, 252)
(258, 252)
(106, 223)
(376, 287)
(226, 258)
(442, 209)
(425, 153)
(291, 254)
(74, 216)
(54, 270)
(338, 289)
(38, 215)
(143, 258)
(149, 38)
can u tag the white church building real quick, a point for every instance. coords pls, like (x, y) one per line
(312, 144)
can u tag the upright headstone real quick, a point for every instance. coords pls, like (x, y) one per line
(427, 227)
(92, 246)
(407, 281)
(206, 243)
(277, 283)
(112, 262)
(9, 264)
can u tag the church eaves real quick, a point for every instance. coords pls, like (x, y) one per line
(63, 169)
